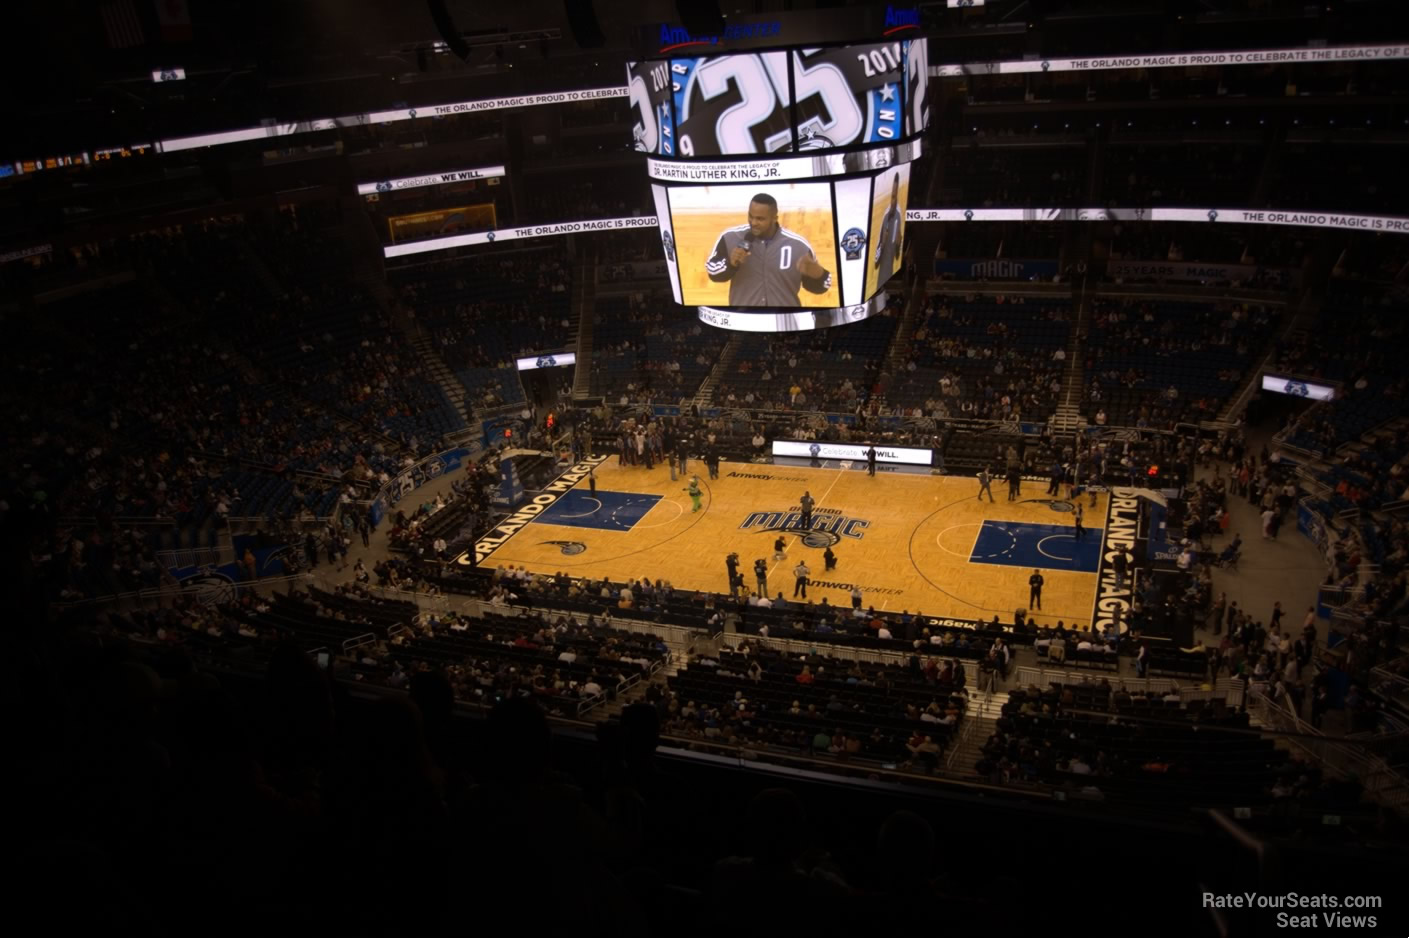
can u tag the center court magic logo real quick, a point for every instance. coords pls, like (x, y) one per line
(1056, 504)
(829, 525)
(568, 547)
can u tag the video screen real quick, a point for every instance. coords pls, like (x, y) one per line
(917, 86)
(849, 95)
(732, 104)
(648, 90)
(667, 239)
(756, 245)
(810, 99)
(891, 193)
(853, 201)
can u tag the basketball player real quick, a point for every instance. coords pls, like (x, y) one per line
(764, 263)
(888, 238)
(1080, 531)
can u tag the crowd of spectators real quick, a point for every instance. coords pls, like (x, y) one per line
(838, 370)
(486, 310)
(979, 176)
(235, 395)
(1271, 251)
(1357, 342)
(1000, 240)
(1097, 737)
(1157, 363)
(816, 704)
(646, 350)
(580, 195)
(1172, 173)
(1361, 182)
(985, 357)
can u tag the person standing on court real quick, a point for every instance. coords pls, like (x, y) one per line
(1122, 566)
(871, 460)
(760, 573)
(732, 562)
(1080, 531)
(1034, 590)
(695, 493)
(805, 519)
(985, 484)
(592, 481)
(855, 598)
(800, 574)
(680, 457)
(1015, 478)
(829, 560)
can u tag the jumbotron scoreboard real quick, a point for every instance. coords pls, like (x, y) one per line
(781, 176)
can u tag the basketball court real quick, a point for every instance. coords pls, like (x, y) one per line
(910, 540)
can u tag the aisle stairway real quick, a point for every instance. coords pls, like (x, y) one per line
(705, 395)
(436, 367)
(584, 302)
(974, 733)
(1068, 415)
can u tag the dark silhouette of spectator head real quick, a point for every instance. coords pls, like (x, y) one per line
(640, 731)
(396, 750)
(128, 695)
(905, 848)
(300, 706)
(778, 823)
(434, 695)
(519, 742)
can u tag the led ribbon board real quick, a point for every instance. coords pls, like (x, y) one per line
(808, 449)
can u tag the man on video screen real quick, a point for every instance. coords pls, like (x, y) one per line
(764, 263)
(888, 238)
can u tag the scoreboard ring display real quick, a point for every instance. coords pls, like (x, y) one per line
(791, 100)
(781, 178)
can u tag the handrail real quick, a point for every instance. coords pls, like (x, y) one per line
(964, 732)
(124, 521)
(195, 556)
(366, 638)
(671, 634)
(1339, 755)
(174, 590)
(1243, 839)
(753, 756)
